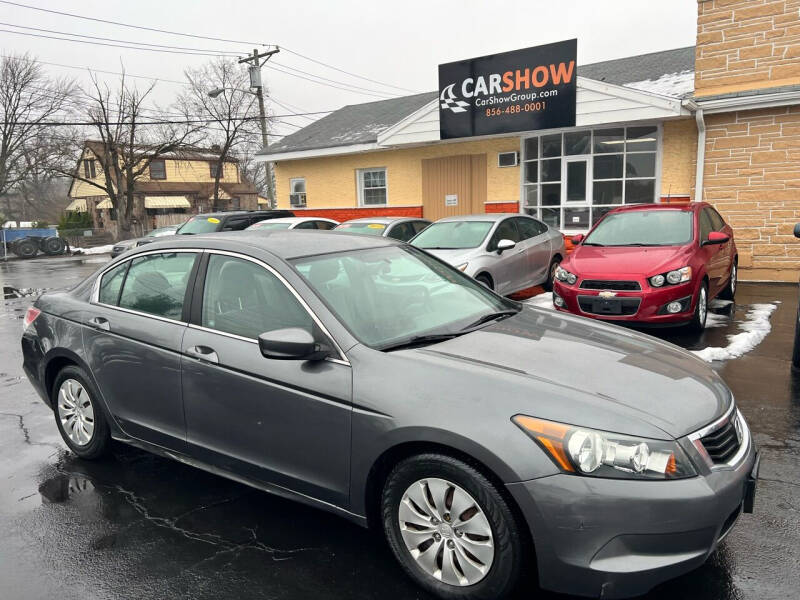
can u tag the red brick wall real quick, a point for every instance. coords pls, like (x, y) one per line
(501, 207)
(345, 214)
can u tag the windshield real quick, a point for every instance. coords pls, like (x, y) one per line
(162, 231)
(643, 228)
(453, 234)
(199, 225)
(387, 296)
(363, 228)
(269, 225)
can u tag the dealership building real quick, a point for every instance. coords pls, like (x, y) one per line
(717, 122)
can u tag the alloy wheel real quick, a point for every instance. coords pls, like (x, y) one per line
(446, 532)
(733, 279)
(702, 306)
(76, 412)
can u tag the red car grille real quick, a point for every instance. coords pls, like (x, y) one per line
(601, 284)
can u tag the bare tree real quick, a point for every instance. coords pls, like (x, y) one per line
(42, 194)
(219, 92)
(126, 146)
(28, 101)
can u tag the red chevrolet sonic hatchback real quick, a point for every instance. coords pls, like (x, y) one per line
(650, 264)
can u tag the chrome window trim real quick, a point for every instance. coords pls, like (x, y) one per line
(744, 443)
(342, 358)
(95, 297)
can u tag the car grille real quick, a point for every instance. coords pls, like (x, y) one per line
(600, 284)
(723, 443)
(628, 306)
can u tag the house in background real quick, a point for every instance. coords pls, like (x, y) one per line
(176, 186)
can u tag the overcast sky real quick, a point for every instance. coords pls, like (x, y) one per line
(396, 43)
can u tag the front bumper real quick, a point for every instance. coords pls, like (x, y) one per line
(618, 538)
(648, 304)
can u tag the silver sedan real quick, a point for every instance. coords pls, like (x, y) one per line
(507, 252)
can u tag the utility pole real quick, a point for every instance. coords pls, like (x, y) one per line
(255, 82)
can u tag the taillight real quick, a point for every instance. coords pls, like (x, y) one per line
(30, 317)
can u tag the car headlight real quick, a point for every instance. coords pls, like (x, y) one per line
(672, 277)
(563, 275)
(584, 451)
(462, 266)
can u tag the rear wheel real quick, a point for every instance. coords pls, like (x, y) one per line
(25, 248)
(79, 418)
(698, 322)
(484, 279)
(450, 528)
(53, 246)
(730, 290)
(551, 274)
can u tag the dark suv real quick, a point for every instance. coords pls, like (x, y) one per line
(234, 220)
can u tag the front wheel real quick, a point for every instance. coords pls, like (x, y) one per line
(485, 280)
(450, 529)
(698, 322)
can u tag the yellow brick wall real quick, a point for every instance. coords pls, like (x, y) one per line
(752, 176)
(746, 45)
(678, 157)
(331, 181)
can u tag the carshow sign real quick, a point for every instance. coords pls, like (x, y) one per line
(522, 90)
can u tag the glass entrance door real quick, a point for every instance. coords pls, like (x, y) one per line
(577, 192)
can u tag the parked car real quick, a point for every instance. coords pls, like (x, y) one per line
(506, 252)
(125, 245)
(796, 350)
(398, 228)
(650, 264)
(365, 377)
(295, 223)
(232, 220)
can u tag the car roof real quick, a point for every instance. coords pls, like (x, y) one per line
(228, 213)
(691, 206)
(481, 217)
(298, 219)
(384, 220)
(281, 243)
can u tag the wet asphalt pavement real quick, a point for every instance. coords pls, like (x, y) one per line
(138, 526)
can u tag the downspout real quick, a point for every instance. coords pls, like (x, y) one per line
(701, 150)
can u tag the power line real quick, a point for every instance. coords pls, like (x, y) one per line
(279, 70)
(94, 37)
(319, 62)
(374, 92)
(160, 122)
(75, 16)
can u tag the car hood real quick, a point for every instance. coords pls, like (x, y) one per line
(582, 372)
(625, 260)
(454, 257)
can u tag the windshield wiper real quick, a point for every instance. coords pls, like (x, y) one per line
(592, 244)
(636, 244)
(500, 314)
(420, 340)
(440, 248)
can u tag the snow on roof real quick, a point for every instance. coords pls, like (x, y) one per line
(676, 85)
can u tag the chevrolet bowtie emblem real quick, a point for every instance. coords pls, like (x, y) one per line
(607, 294)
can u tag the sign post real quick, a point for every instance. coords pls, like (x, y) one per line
(522, 90)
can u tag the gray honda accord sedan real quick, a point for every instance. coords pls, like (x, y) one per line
(493, 443)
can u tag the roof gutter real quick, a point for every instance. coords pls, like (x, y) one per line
(701, 148)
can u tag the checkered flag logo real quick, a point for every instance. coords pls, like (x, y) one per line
(450, 102)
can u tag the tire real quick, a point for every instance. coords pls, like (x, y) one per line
(730, 290)
(475, 574)
(551, 274)
(698, 322)
(26, 248)
(53, 246)
(79, 391)
(484, 279)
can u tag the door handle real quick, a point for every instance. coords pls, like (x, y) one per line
(100, 323)
(203, 353)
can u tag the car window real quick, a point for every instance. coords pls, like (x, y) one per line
(199, 224)
(362, 227)
(307, 225)
(111, 283)
(453, 235)
(668, 227)
(419, 225)
(716, 219)
(245, 299)
(529, 228)
(506, 230)
(236, 224)
(325, 225)
(706, 226)
(266, 225)
(156, 284)
(402, 232)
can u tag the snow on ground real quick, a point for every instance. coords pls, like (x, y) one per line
(542, 300)
(755, 329)
(95, 250)
(676, 85)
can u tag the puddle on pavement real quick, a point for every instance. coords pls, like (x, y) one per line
(61, 488)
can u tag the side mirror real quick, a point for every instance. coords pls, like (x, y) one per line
(292, 343)
(716, 237)
(797, 230)
(504, 245)
(577, 239)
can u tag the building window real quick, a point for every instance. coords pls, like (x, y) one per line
(158, 170)
(214, 167)
(297, 192)
(89, 171)
(372, 190)
(572, 179)
(236, 203)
